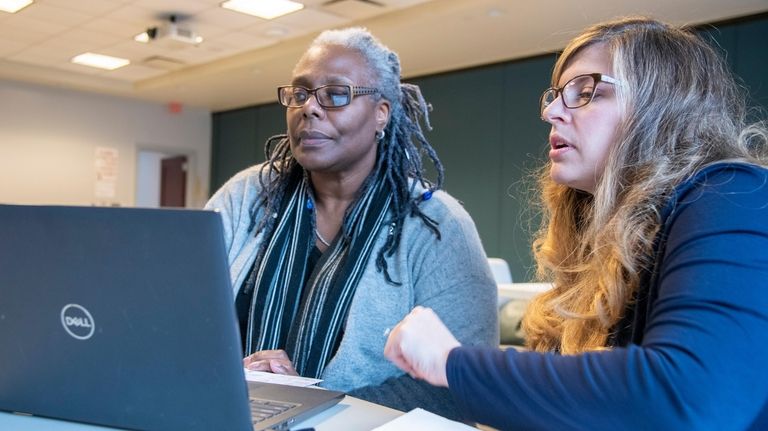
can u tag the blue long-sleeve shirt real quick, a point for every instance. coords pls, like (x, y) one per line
(694, 357)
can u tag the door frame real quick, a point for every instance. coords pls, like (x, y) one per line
(167, 151)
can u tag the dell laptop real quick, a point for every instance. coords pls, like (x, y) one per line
(124, 317)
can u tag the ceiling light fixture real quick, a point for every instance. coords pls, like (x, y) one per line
(101, 61)
(142, 37)
(13, 6)
(170, 33)
(267, 9)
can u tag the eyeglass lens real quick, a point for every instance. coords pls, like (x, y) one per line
(328, 96)
(576, 93)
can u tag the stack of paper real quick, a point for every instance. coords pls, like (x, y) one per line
(422, 420)
(280, 379)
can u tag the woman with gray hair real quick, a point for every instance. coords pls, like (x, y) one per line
(655, 232)
(339, 234)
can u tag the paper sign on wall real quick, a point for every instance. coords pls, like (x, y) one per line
(106, 161)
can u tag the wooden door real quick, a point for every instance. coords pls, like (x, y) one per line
(173, 181)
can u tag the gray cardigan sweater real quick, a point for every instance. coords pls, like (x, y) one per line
(450, 275)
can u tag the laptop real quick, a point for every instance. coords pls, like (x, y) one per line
(124, 317)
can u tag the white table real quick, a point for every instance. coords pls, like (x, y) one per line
(351, 414)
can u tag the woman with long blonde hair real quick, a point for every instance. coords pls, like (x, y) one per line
(655, 233)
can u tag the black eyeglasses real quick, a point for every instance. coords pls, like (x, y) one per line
(327, 96)
(577, 92)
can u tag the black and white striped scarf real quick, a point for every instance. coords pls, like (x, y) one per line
(306, 319)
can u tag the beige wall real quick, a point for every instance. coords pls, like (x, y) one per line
(49, 136)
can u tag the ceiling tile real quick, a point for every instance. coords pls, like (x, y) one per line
(163, 63)
(50, 52)
(20, 25)
(22, 36)
(55, 15)
(203, 53)
(91, 7)
(274, 31)
(135, 72)
(185, 54)
(222, 45)
(181, 8)
(113, 27)
(134, 15)
(9, 47)
(296, 24)
(311, 20)
(355, 9)
(136, 51)
(240, 41)
(90, 39)
(28, 57)
(401, 4)
(207, 30)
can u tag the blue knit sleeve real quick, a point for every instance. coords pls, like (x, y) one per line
(702, 362)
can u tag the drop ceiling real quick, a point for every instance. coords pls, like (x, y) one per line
(243, 58)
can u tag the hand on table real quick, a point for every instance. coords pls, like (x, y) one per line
(271, 361)
(419, 345)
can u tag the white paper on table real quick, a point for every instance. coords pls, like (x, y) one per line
(422, 420)
(280, 379)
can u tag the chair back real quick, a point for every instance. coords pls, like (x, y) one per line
(500, 270)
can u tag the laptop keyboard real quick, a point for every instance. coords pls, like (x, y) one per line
(262, 410)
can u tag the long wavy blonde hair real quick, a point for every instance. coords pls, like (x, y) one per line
(681, 109)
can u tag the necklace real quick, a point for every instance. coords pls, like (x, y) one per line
(320, 237)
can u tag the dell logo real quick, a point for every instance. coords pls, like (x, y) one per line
(77, 321)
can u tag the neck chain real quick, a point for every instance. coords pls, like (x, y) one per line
(320, 237)
(311, 206)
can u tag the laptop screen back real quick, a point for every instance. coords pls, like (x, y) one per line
(119, 317)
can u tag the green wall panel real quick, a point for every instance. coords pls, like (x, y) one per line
(232, 147)
(466, 120)
(525, 146)
(490, 139)
(750, 58)
(239, 137)
(271, 122)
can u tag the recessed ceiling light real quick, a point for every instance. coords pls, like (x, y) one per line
(142, 37)
(267, 9)
(100, 61)
(14, 6)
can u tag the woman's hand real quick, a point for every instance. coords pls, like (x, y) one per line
(271, 361)
(419, 345)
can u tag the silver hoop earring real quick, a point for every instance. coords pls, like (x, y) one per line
(379, 135)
